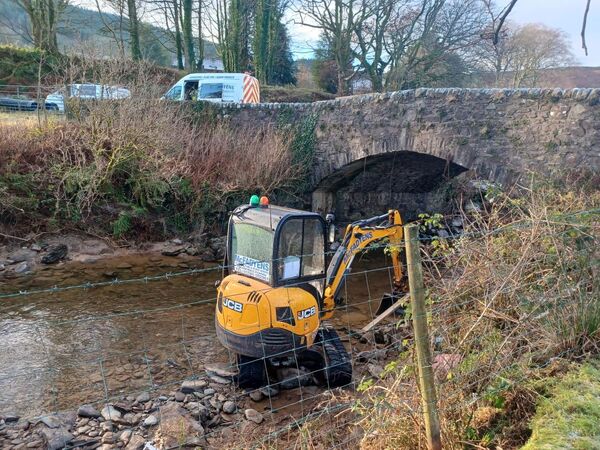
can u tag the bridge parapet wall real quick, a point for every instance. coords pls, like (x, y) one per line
(498, 133)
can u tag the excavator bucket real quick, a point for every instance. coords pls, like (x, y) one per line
(390, 301)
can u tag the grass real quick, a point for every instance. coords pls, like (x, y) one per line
(569, 418)
(27, 118)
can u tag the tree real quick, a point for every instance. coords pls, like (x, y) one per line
(537, 47)
(434, 33)
(324, 69)
(337, 21)
(511, 4)
(188, 38)
(43, 18)
(134, 34)
(495, 52)
(282, 71)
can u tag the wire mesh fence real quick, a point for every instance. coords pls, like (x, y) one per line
(165, 381)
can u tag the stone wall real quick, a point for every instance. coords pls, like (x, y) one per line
(497, 133)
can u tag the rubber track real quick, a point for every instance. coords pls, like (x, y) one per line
(338, 365)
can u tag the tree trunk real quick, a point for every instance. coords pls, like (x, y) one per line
(178, 44)
(134, 36)
(261, 40)
(200, 62)
(188, 38)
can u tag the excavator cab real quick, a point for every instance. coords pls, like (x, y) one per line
(276, 289)
(268, 302)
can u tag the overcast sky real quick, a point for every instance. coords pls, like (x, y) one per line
(564, 14)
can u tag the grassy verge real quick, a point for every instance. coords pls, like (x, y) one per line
(569, 417)
(27, 119)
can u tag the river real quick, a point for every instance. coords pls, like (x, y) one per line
(66, 348)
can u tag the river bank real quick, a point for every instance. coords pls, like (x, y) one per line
(30, 262)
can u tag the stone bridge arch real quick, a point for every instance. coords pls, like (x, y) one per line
(406, 180)
(499, 134)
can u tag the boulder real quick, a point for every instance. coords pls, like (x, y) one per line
(109, 412)
(22, 267)
(52, 421)
(21, 256)
(189, 386)
(56, 438)
(88, 411)
(175, 422)
(221, 369)
(229, 407)
(253, 415)
(150, 421)
(136, 442)
(143, 397)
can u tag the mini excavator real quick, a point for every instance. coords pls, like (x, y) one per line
(276, 292)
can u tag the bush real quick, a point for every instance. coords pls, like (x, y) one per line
(118, 165)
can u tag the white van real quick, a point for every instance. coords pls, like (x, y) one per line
(56, 100)
(216, 87)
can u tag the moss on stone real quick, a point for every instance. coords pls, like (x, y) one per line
(570, 416)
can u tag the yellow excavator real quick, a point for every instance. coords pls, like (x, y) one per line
(276, 291)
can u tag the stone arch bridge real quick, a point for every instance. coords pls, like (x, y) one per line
(396, 149)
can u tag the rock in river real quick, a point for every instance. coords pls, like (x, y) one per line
(88, 411)
(110, 413)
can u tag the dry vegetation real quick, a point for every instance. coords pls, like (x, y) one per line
(140, 164)
(514, 303)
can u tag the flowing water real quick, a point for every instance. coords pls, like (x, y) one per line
(63, 349)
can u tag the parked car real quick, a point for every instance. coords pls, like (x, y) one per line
(86, 92)
(18, 104)
(216, 88)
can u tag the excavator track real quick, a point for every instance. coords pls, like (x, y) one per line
(328, 360)
(338, 365)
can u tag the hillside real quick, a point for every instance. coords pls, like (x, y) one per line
(82, 28)
(571, 77)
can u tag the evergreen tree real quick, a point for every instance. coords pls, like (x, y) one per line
(283, 65)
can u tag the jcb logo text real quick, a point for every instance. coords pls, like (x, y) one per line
(306, 313)
(237, 307)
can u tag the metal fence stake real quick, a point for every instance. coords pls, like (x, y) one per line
(419, 319)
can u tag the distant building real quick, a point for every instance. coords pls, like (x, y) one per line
(361, 84)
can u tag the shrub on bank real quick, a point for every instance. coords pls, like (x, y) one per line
(138, 168)
(511, 303)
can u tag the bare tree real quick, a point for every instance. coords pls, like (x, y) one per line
(428, 35)
(537, 47)
(337, 20)
(511, 4)
(43, 17)
(495, 50)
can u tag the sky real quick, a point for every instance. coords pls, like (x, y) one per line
(564, 14)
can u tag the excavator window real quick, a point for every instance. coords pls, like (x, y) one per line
(301, 249)
(252, 250)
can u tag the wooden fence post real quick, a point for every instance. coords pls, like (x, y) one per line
(419, 319)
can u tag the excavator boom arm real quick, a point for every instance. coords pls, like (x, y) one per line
(359, 235)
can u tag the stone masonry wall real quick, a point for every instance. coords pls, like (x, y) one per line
(500, 134)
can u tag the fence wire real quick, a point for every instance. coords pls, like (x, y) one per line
(186, 382)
